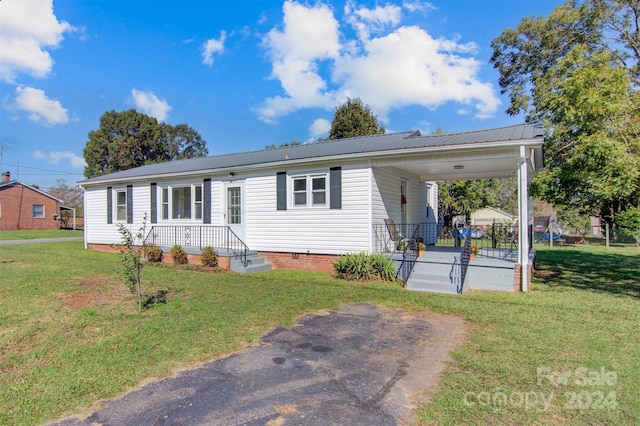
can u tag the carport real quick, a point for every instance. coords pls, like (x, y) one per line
(514, 151)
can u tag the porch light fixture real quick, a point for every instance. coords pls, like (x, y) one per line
(458, 167)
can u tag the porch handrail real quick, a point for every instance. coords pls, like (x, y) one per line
(465, 257)
(409, 256)
(455, 275)
(199, 236)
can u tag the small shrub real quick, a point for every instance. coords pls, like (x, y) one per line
(178, 255)
(208, 257)
(153, 253)
(364, 267)
(159, 297)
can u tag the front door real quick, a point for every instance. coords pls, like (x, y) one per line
(234, 211)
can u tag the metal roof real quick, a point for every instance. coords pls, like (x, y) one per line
(359, 146)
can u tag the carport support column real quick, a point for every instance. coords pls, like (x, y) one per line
(523, 219)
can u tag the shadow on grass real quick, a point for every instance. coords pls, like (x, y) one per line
(607, 272)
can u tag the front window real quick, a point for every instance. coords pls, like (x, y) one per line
(300, 192)
(319, 191)
(38, 211)
(310, 191)
(198, 202)
(165, 203)
(181, 202)
(121, 205)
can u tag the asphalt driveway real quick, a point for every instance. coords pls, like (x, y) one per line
(361, 365)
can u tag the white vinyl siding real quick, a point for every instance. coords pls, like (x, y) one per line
(386, 196)
(308, 230)
(299, 230)
(97, 230)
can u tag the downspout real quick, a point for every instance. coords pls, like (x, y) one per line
(523, 219)
(84, 209)
(20, 208)
(370, 209)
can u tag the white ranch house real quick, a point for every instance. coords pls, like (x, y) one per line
(301, 206)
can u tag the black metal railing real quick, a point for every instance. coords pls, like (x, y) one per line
(493, 241)
(465, 256)
(199, 236)
(455, 275)
(410, 250)
(386, 240)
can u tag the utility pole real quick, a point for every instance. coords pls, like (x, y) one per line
(1, 147)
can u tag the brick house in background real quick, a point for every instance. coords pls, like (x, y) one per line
(25, 207)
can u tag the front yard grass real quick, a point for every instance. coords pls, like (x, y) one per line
(32, 234)
(70, 333)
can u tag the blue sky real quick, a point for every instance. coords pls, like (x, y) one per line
(244, 74)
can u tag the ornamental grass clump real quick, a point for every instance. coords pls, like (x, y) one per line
(208, 257)
(178, 255)
(153, 253)
(365, 267)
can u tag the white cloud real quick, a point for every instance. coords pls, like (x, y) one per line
(418, 6)
(56, 156)
(366, 21)
(319, 127)
(150, 104)
(28, 29)
(412, 68)
(39, 108)
(212, 46)
(309, 36)
(388, 65)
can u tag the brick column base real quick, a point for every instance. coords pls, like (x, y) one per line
(517, 277)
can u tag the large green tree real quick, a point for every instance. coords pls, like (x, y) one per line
(466, 196)
(578, 70)
(353, 119)
(130, 139)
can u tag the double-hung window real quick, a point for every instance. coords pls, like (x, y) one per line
(164, 199)
(38, 211)
(121, 205)
(181, 202)
(309, 191)
(197, 202)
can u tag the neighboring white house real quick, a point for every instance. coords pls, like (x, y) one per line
(491, 215)
(300, 206)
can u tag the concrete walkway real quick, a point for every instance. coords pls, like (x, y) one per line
(40, 240)
(361, 365)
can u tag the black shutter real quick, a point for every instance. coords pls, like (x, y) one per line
(335, 188)
(282, 190)
(109, 204)
(154, 202)
(206, 201)
(129, 203)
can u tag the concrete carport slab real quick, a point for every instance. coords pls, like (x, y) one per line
(361, 365)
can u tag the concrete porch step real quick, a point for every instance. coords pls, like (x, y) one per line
(255, 263)
(431, 286)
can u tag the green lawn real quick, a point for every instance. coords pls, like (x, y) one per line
(34, 234)
(70, 334)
